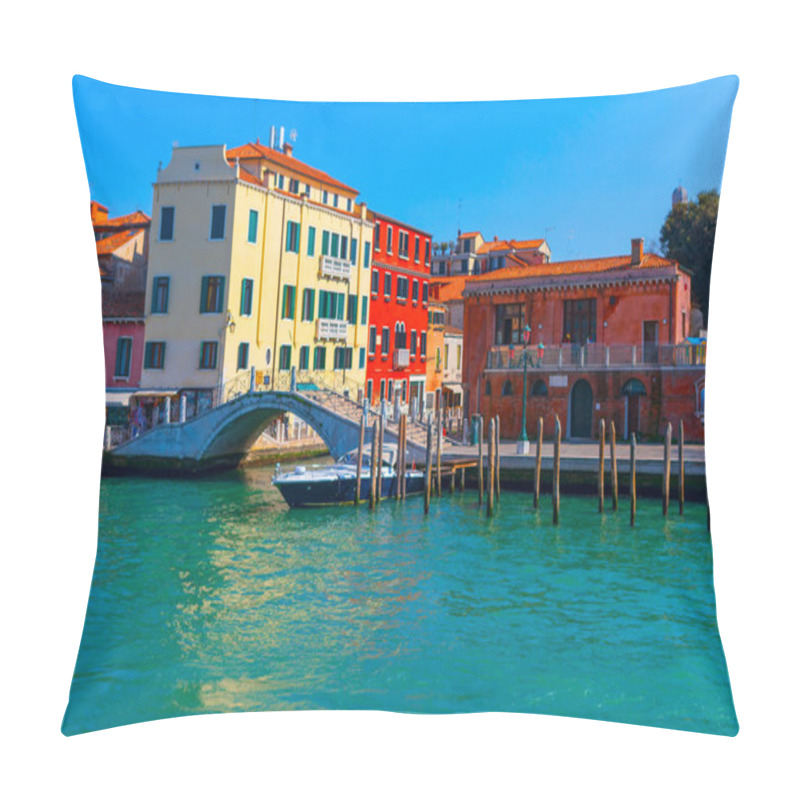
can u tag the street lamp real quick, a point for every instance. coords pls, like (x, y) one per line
(523, 445)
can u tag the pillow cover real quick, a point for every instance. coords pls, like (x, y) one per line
(509, 313)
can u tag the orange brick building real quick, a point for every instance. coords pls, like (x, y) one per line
(608, 339)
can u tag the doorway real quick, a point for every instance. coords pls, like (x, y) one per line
(580, 421)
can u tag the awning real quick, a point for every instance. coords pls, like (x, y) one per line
(118, 398)
(456, 388)
(155, 393)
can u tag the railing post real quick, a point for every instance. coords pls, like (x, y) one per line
(167, 410)
(107, 441)
(633, 355)
(560, 356)
(252, 378)
(182, 417)
(293, 383)
(608, 356)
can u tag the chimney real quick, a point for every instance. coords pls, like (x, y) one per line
(637, 251)
(287, 149)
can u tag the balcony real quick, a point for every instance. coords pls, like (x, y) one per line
(330, 267)
(597, 356)
(401, 358)
(335, 329)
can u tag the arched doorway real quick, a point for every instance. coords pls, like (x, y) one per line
(633, 391)
(580, 410)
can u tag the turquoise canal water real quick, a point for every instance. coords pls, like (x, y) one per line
(211, 595)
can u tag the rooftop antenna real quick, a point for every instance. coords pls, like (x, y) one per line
(293, 135)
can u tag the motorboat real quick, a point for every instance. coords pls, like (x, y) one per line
(336, 483)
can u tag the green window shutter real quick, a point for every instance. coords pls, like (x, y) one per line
(366, 254)
(252, 228)
(311, 305)
(326, 242)
(312, 235)
(221, 295)
(353, 251)
(203, 294)
(364, 310)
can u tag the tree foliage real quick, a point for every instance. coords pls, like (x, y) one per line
(687, 236)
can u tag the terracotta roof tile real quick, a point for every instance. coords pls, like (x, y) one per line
(109, 244)
(259, 151)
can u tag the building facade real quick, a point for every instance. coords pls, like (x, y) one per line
(608, 339)
(258, 261)
(470, 254)
(398, 312)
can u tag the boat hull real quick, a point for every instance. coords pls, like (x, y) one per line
(341, 489)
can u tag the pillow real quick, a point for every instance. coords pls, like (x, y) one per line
(507, 316)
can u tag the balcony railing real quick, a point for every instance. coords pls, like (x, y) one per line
(331, 329)
(330, 267)
(597, 356)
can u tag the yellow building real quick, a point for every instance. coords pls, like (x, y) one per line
(256, 260)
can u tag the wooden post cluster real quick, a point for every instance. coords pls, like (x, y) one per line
(400, 466)
(480, 461)
(497, 455)
(601, 467)
(379, 487)
(373, 460)
(357, 498)
(667, 458)
(490, 479)
(539, 433)
(681, 476)
(557, 471)
(614, 483)
(633, 478)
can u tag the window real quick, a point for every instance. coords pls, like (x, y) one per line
(539, 388)
(292, 237)
(287, 311)
(279, 181)
(388, 238)
(122, 365)
(331, 305)
(391, 390)
(325, 196)
(507, 390)
(427, 252)
(580, 319)
(208, 355)
(343, 249)
(369, 391)
(326, 243)
(154, 355)
(413, 344)
(353, 251)
(423, 344)
(217, 231)
(373, 336)
(349, 204)
(509, 322)
(400, 336)
(319, 357)
(387, 285)
(402, 244)
(362, 357)
(336, 200)
(352, 309)
(458, 356)
(243, 356)
(366, 254)
(285, 358)
(335, 245)
(438, 359)
(416, 249)
(424, 293)
(488, 388)
(312, 235)
(364, 307)
(166, 230)
(212, 294)
(246, 303)
(464, 265)
(385, 343)
(308, 305)
(447, 356)
(383, 389)
(160, 301)
(375, 282)
(252, 227)
(342, 357)
(376, 236)
(402, 289)
(415, 292)
(294, 186)
(303, 364)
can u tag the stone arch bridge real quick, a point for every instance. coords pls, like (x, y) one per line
(222, 436)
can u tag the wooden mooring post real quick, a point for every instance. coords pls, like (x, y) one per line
(681, 475)
(379, 481)
(357, 498)
(497, 456)
(480, 461)
(633, 478)
(439, 452)
(490, 480)
(601, 467)
(373, 476)
(539, 433)
(667, 459)
(428, 459)
(398, 467)
(557, 471)
(614, 483)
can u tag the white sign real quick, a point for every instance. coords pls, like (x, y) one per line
(558, 380)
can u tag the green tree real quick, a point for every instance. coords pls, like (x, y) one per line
(687, 236)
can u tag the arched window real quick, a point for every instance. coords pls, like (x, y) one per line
(507, 389)
(633, 387)
(488, 386)
(539, 389)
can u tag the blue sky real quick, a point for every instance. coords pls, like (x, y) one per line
(588, 174)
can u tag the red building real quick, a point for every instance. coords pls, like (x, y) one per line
(398, 311)
(122, 249)
(608, 339)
